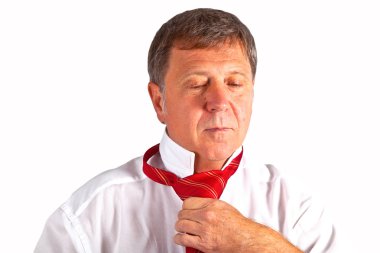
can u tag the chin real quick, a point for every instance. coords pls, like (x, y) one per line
(219, 152)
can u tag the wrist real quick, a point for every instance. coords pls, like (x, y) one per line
(263, 239)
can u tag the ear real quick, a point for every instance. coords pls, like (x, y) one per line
(157, 100)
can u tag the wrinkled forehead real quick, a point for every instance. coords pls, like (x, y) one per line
(217, 45)
(207, 45)
(188, 43)
(225, 60)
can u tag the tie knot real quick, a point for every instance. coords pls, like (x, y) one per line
(209, 184)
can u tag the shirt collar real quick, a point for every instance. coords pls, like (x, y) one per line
(179, 160)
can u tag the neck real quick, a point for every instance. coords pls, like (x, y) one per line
(201, 165)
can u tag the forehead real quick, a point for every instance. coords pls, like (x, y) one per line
(228, 57)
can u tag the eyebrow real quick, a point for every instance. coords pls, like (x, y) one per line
(190, 75)
(236, 72)
(205, 73)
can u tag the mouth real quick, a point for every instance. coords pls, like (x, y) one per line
(218, 129)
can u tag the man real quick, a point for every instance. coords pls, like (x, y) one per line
(198, 189)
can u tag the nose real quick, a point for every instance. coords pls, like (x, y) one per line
(217, 98)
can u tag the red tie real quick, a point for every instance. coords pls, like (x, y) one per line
(209, 184)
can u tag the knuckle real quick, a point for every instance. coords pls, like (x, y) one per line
(183, 239)
(186, 239)
(209, 215)
(180, 225)
(208, 242)
(218, 203)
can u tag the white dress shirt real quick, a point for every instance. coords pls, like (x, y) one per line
(122, 210)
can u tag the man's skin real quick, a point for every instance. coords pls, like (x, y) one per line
(207, 108)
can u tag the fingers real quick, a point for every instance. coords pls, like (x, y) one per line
(196, 203)
(193, 221)
(187, 240)
(188, 227)
(188, 235)
(194, 208)
(198, 223)
(202, 216)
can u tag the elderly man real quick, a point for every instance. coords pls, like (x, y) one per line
(197, 190)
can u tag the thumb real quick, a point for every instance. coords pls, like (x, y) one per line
(196, 203)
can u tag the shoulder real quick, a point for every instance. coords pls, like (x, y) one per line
(260, 172)
(266, 173)
(281, 189)
(288, 204)
(302, 206)
(128, 173)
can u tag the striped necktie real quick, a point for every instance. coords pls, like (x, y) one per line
(209, 184)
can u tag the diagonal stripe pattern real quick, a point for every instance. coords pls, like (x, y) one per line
(208, 184)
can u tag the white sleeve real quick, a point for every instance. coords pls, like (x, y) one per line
(59, 235)
(313, 228)
(305, 223)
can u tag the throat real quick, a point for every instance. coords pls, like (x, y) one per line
(200, 167)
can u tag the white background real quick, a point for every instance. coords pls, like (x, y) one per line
(73, 102)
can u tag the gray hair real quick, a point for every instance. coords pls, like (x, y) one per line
(194, 29)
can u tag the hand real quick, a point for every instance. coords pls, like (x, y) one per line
(212, 225)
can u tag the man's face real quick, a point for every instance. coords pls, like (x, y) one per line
(208, 101)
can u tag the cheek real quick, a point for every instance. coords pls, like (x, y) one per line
(183, 114)
(244, 109)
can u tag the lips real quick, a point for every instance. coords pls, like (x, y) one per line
(218, 129)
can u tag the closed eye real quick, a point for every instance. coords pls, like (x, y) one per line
(197, 85)
(235, 85)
